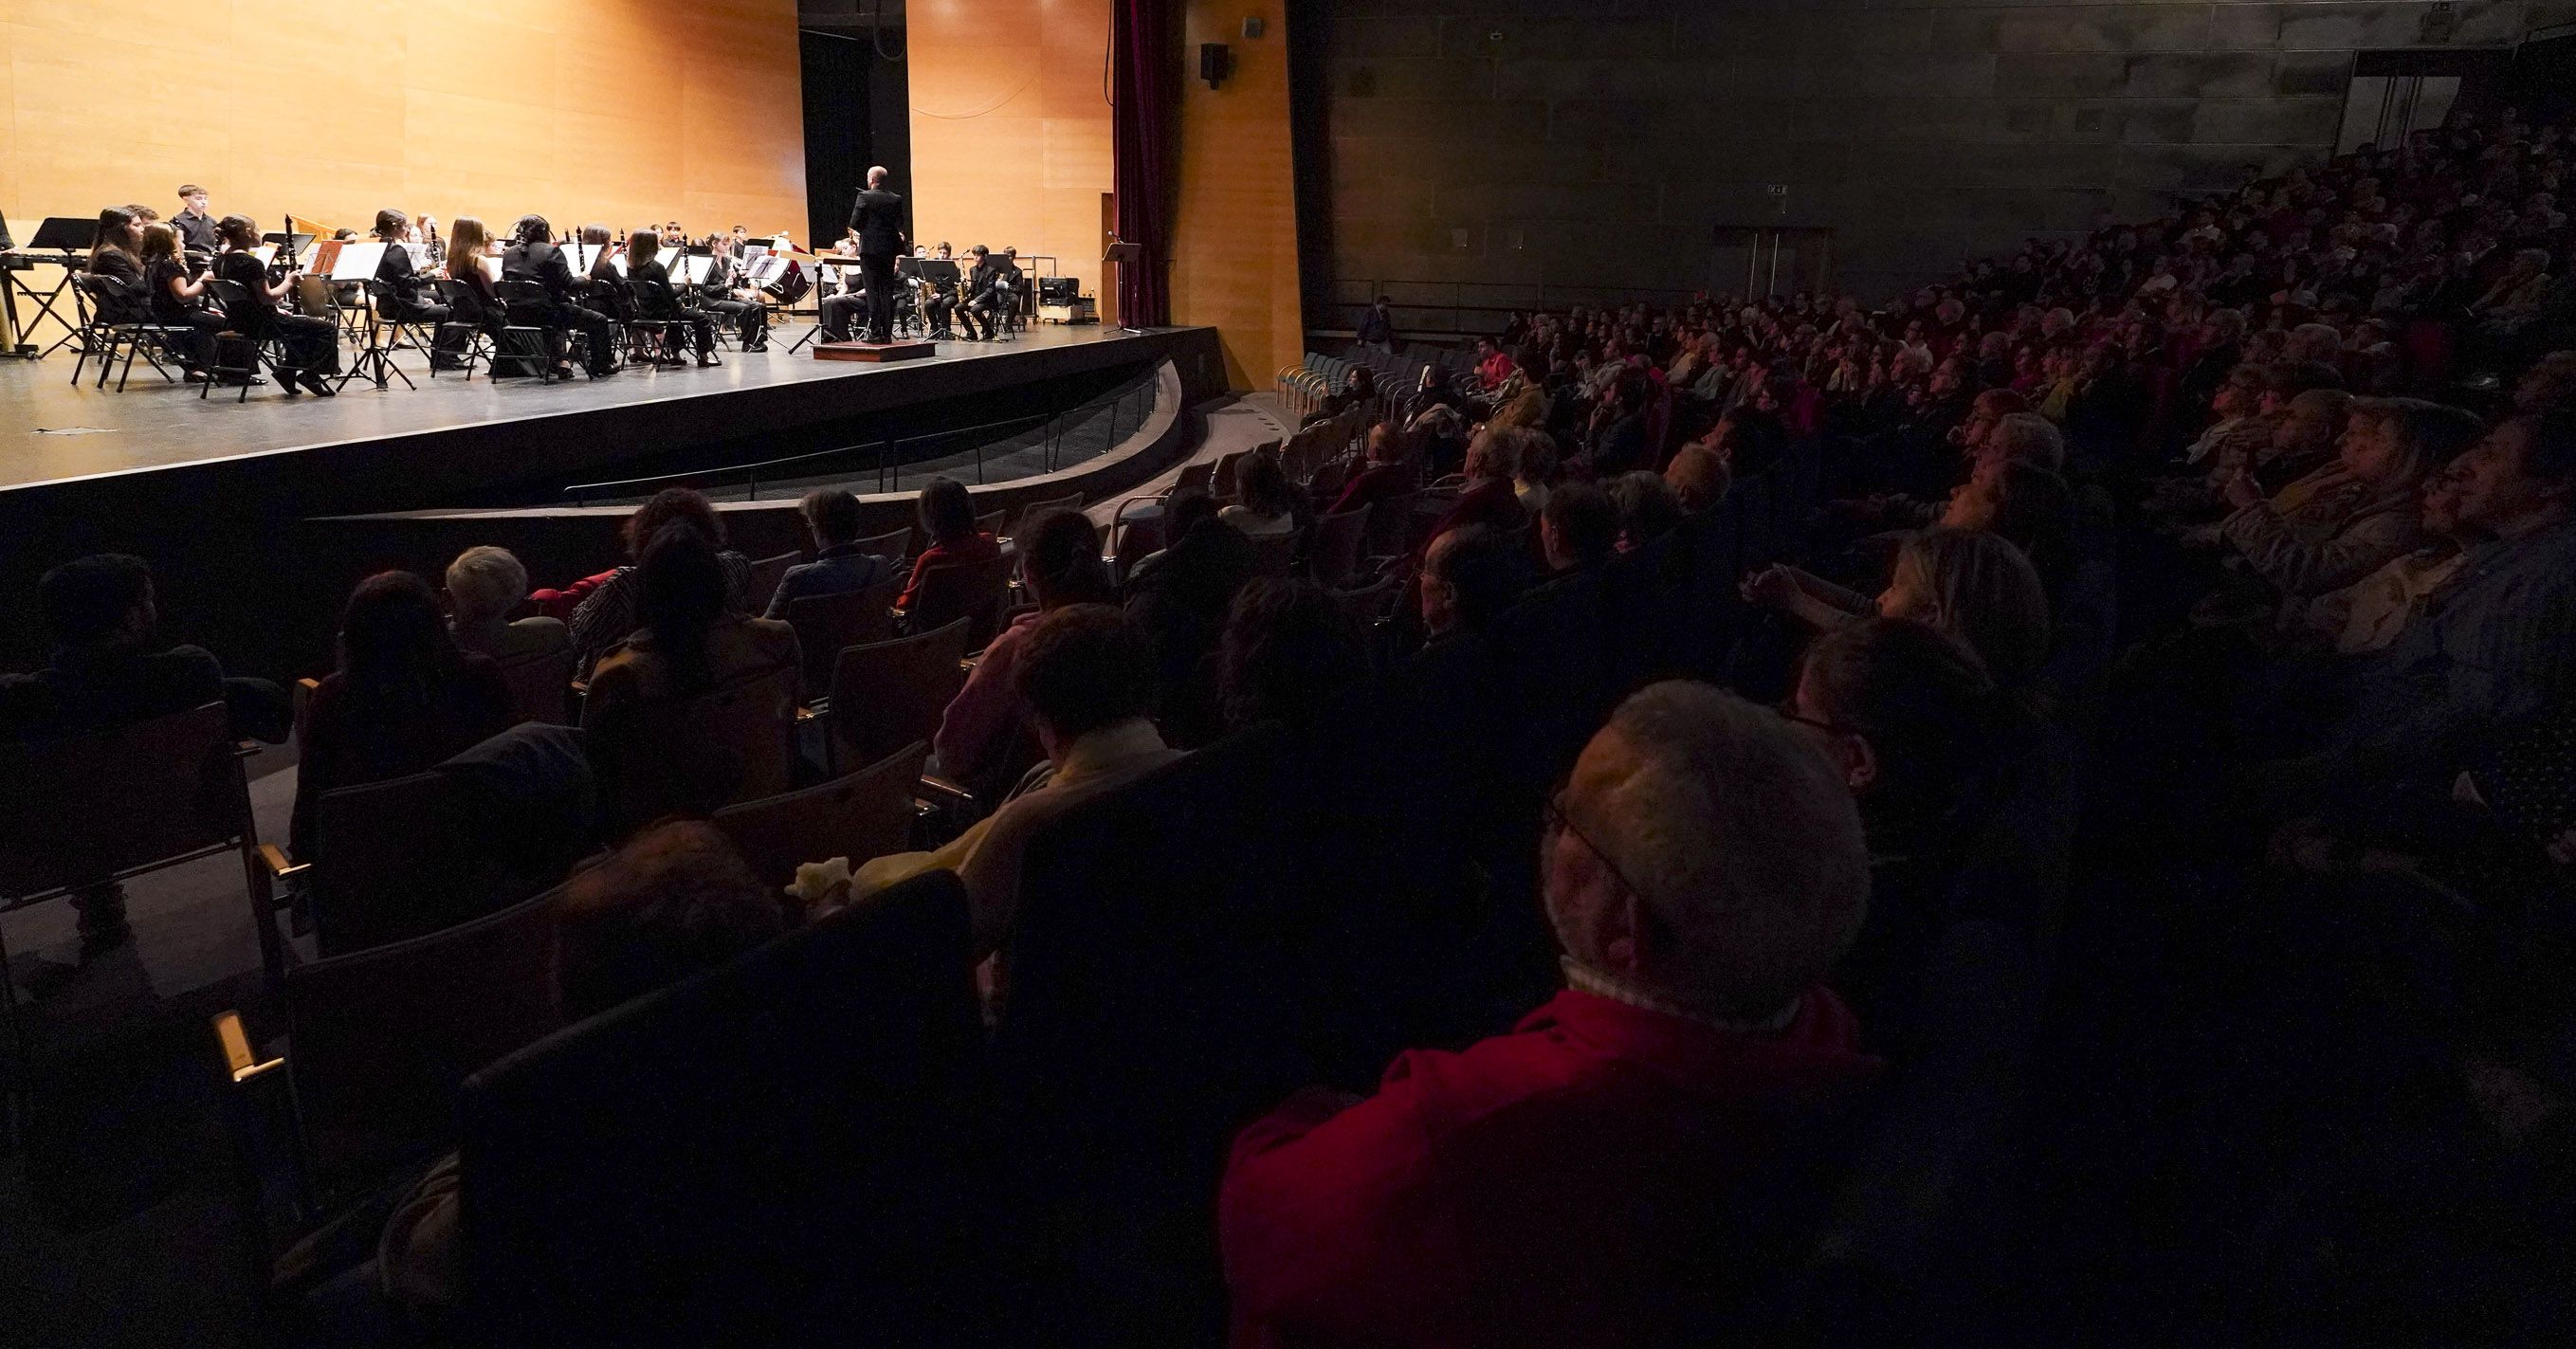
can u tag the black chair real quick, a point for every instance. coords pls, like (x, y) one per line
(827, 625)
(238, 357)
(478, 347)
(112, 326)
(650, 323)
(791, 1149)
(529, 345)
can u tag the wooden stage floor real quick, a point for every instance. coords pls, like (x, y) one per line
(52, 432)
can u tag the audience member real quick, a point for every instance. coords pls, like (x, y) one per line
(690, 641)
(980, 734)
(947, 514)
(1470, 575)
(1289, 646)
(1648, 508)
(1271, 504)
(485, 586)
(1578, 528)
(607, 612)
(833, 522)
(1389, 473)
(403, 700)
(1568, 1183)
(1699, 478)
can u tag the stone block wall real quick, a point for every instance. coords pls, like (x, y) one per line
(1501, 152)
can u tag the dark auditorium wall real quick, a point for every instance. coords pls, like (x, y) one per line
(1480, 150)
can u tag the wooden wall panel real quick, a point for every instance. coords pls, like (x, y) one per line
(1234, 236)
(619, 111)
(1010, 127)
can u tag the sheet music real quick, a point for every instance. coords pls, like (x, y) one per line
(693, 271)
(356, 262)
(266, 253)
(584, 256)
(752, 253)
(419, 255)
(767, 268)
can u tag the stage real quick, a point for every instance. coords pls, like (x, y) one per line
(287, 499)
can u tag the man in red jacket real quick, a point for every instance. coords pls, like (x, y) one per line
(1569, 1183)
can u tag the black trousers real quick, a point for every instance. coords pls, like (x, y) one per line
(702, 328)
(558, 319)
(840, 311)
(749, 318)
(939, 310)
(311, 343)
(878, 269)
(985, 307)
(434, 317)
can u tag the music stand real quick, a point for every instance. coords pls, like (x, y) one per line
(67, 237)
(1124, 255)
(357, 262)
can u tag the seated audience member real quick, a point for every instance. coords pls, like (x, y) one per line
(1534, 473)
(2499, 640)
(1289, 646)
(1911, 721)
(2026, 437)
(108, 671)
(1493, 365)
(1493, 463)
(1578, 527)
(689, 641)
(1699, 478)
(2357, 513)
(1181, 597)
(675, 900)
(2368, 614)
(404, 699)
(1389, 472)
(1270, 504)
(1972, 585)
(1569, 1182)
(1469, 576)
(1648, 508)
(1085, 675)
(947, 514)
(1059, 565)
(833, 522)
(2303, 439)
(607, 612)
(485, 586)
(2028, 506)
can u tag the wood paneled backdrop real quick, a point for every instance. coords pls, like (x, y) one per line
(1010, 127)
(1234, 232)
(618, 111)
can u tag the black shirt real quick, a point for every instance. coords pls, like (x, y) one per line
(78, 693)
(196, 232)
(395, 269)
(167, 307)
(541, 262)
(878, 219)
(120, 267)
(247, 271)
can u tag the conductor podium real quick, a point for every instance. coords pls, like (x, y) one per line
(874, 351)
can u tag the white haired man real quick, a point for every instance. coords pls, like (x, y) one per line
(1568, 1183)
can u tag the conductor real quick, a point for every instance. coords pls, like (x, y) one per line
(878, 221)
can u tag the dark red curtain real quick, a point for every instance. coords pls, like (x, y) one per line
(1144, 73)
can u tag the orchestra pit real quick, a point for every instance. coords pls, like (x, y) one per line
(1254, 673)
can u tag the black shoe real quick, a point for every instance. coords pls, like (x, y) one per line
(705, 360)
(321, 387)
(446, 367)
(196, 376)
(560, 372)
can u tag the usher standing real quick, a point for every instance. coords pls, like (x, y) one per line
(878, 221)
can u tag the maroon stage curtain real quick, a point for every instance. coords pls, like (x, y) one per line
(1145, 75)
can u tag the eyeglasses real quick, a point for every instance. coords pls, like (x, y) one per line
(1788, 712)
(1558, 822)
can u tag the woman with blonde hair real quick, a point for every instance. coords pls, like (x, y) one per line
(1973, 585)
(469, 243)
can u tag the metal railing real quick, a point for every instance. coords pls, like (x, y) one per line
(889, 454)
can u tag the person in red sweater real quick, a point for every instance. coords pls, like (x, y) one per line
(1567, 1184)
(948, 518)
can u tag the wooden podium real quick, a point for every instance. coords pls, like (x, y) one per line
(878, 352)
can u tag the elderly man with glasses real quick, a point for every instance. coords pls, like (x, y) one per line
(1570, 1182)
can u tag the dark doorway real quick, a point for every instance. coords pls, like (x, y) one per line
(857, 113)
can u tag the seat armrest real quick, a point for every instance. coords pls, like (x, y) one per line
(268, 1136)
(274, 858)
(943, 792)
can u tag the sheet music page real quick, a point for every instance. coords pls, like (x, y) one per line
(768, 269)
(583, 257)
(492, 267)
(266, 253)
(419, 254)
(358, 262)
(694, 270)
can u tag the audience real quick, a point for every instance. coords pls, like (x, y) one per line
(404, 699)
(1470, 575)
(485, 587)
(947, 516)
(1578, 528)
(1289, 647)
(1270, 505)
(833, 523)
(606, 611)
(981, 734)
(1389, 473)
(1568, 1182)
(690, 641)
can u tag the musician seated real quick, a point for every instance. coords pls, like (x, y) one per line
(178, 302)
(843, 312)
(478, 300)
(650, 283)
(407, 296)
(533, 257)
(729, 301)
(312, 343)
(114, 257)
(939, 304)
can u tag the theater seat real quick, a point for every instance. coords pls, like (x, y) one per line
(787, 1150)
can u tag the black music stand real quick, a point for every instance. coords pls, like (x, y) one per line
(10, 264)
(67, 237)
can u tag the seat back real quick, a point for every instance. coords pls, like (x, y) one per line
(885, 695)
(697, 754)
(893, 545)
(780, 1151)
(1229, 469)
(827, 624)
(765, 576)
(991, 522)
(87, 807)
(866, 814)
(1336, 551)
(541, 686)
(1274, 554)
(1390, 524)
(1030, 512)
(379, 1040)
(973, 591)
(1195, 477)
(395, 859)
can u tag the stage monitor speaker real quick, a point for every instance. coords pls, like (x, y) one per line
(1058, 289)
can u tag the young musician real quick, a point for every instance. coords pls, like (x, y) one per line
(407, 292)
(196, 228)
(532, 257)
(312, 344)
(602, 286)
(178, 302)
(656, 299)
(985, 294)
(938, 305)
(480, 305)
(112, 257)
(735, 304)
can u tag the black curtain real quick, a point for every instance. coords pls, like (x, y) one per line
(857, 113)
